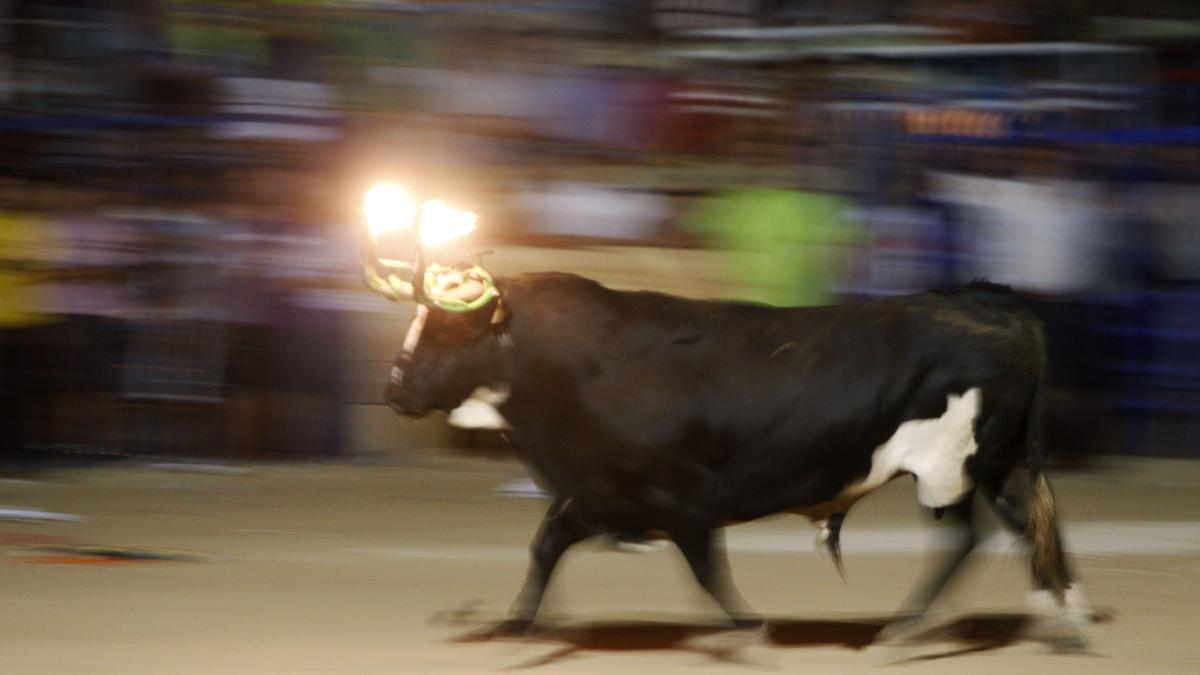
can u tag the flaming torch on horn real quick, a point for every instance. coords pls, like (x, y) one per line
(457, 288)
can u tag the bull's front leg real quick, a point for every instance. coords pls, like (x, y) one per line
(704, 551)
(559, 530)
(964, 536)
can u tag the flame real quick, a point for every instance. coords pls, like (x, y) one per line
(387, 207)
(440, 223)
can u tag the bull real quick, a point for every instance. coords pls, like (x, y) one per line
(646, 415)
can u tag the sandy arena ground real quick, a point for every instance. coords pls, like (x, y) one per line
(390, 568)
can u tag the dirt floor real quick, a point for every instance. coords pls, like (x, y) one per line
(398, 566)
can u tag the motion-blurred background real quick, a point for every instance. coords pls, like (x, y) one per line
(180, 236)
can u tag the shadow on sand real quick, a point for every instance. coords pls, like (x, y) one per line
(964, 635)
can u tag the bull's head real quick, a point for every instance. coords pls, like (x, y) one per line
(448, 350)
(446, 357)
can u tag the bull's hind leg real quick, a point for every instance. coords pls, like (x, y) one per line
(963, 535)
(1008, 504)
(705, 553)
(560, 529)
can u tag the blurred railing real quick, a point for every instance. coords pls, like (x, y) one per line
(588, 135)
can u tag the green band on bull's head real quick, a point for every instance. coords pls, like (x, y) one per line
(458, 290)
(453, 289)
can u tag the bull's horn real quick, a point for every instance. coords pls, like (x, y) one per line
(387, 207)
(383, 275)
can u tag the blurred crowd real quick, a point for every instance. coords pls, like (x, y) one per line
(178, 251)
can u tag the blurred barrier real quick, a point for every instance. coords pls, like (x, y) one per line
(178, 205)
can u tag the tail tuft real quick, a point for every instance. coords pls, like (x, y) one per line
(1046, 551)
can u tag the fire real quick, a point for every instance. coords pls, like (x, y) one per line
(440, 223)
(387, 207)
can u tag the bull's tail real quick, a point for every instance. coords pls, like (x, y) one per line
(1045, 545)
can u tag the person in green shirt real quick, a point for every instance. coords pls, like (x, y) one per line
(782, 247)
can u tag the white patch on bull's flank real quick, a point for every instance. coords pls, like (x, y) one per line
(397, 376)
(479, 410)
(933, 450)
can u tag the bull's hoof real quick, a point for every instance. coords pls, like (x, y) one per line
(727, 645)
(1059, 634)
(899, 631)
(748, 623)
(512, 628)
(907, 638)
(1065, 626)
(1070, 643)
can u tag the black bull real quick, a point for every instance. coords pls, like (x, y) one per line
(645, 414)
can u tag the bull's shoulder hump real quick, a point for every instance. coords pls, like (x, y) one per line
(569, 284)
(561, 289)
(976, 300)
(539, 283)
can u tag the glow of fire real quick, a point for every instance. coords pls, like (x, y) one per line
(440, 223)
(387, 207)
